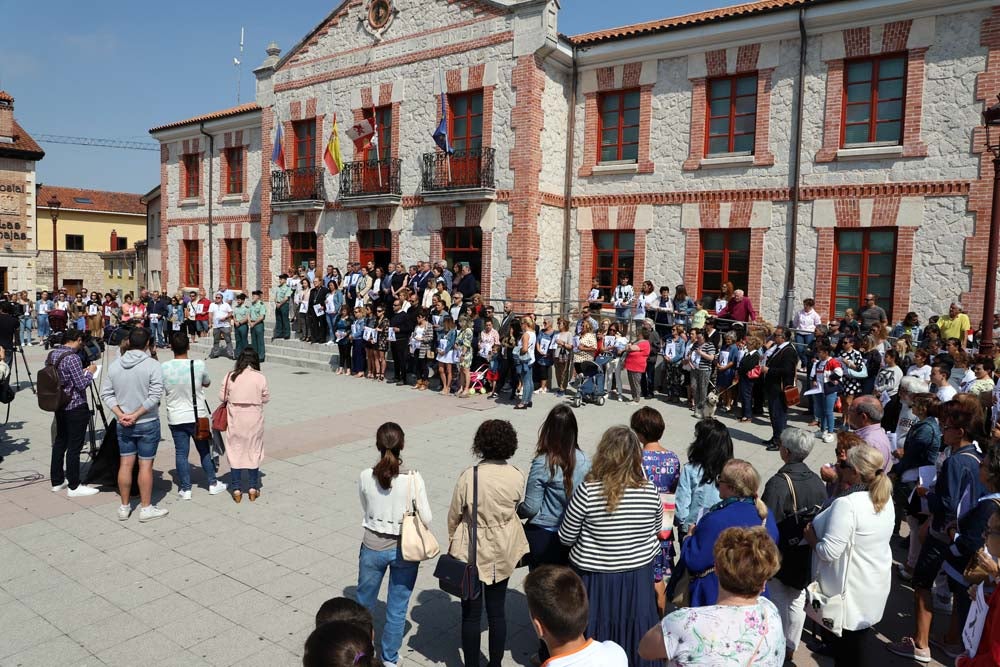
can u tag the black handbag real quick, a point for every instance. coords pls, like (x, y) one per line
(454, 576)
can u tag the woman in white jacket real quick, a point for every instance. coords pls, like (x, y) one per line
(851, 550)
(386, 494)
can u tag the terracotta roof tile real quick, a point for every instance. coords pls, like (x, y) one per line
(23, 148)
(224, 113)
(662, 25)
(5, 96)
(80, 199)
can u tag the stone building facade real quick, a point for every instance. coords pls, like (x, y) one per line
(18, 155)
(670, 150)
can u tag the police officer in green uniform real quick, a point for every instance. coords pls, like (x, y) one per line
(282, 328)
(257, 313)
(241, 315)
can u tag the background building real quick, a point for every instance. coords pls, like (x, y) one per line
(96, 235)
(18, 155)
(148, 251)
(797, 148)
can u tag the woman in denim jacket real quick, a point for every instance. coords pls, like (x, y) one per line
(697, 491)
(556, 471)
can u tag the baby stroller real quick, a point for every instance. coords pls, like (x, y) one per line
(57, 324)
(591, 389)
(478, 378)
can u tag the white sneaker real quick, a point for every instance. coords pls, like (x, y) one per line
(152, 512)
(82, 491)
(184, 495)
(217, 488)
(829, 437)
(124, 512)
(57, 489)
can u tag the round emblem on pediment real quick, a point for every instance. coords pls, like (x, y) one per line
(380, 12)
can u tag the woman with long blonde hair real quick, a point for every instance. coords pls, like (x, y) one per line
(610, 526)
(851, 554)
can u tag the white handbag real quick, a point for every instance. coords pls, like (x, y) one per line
(829, 610)
(416, 541)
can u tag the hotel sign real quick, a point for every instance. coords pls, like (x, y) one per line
(13, 209)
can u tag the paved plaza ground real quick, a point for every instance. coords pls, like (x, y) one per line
(216, 583)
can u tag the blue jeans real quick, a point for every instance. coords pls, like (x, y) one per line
(159, 331)
(802, 343)
(527, 383)
(823, 410)
(25, 330)
(142, 439)
(183, 434)
(43, 325)
(236, 478)
(402, 577)
(330, 319)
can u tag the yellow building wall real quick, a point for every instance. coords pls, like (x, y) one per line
(94, 227)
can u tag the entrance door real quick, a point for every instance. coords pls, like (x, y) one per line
(72, 286)
(375, 246)
(464, 244)
(303, 248)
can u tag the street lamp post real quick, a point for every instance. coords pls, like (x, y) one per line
(54, 205)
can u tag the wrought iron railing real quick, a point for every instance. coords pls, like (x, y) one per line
(370, 177)
(463, 169)
(297, 185)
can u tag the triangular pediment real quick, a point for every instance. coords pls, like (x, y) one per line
(349, 26)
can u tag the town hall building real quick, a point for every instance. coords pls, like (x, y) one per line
(795, 148)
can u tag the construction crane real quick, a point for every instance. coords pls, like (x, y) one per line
(100, 143)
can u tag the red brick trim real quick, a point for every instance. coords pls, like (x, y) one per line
(689, 197)
(823, 286)
(164, 206)
(857, 43)
(747, 57)
(762, 156)
(980, 194)
(265, 245)
(699, 105)
(590, 137)
(869, 190)
(715, 62)
(527, 120)
(217, 219)
(398, 61)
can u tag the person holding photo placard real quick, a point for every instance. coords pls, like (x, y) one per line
(544, 350)
(381, 345)
(317, 312)
(622, 299)
(342, 336)
(358, 343)
(446, 353)
(201, 319)
(221, 314)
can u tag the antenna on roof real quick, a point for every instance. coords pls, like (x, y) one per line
(238, 64)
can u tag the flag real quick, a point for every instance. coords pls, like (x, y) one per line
(278, 153)
(374, 140)
(360, 133)
(332, 158)
(441, 133)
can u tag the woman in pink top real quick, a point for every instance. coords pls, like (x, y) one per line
(635, 362)
(245, 389)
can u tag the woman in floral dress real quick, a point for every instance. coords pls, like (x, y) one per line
(463, 347)
(663, 469)
(852, 359)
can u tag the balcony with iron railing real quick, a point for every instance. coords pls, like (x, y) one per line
(298, 189)
(371, 183)
(462, 176)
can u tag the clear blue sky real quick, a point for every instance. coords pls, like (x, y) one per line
(115, 68)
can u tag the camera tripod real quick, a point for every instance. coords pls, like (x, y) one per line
(16, 368)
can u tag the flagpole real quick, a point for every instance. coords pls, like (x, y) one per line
(444, 117)
(378, 166)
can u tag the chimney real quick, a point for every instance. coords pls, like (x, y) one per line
(114, 240)
(6, 118)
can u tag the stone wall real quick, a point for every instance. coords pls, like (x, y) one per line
(73, 265)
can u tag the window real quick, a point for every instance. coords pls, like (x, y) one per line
(233, 261)
(619, 126)
(725, 257)
(192, 180)
(234, 170)
(305, 143)
(873, 100)
(375, 246)
(464, 244)
(74, 242)
(864, 263)
(383, 121)
(83, 200)
(614, 254)
(466, 121)
(121, 243)
(191, 267)
(303, 248)
(732, 114)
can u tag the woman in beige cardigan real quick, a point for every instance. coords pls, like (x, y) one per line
(500, 543)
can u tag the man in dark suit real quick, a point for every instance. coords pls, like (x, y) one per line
(778, 372)
(317, 323)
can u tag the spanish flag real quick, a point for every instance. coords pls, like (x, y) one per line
(332, 158)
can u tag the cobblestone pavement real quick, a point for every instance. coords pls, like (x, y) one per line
(215, 583)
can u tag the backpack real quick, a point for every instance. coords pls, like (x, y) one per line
(7, 392)
(49, 385)
(796, 554)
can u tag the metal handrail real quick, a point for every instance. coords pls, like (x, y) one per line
(472, 168)
(371, 177)
(305, 184)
